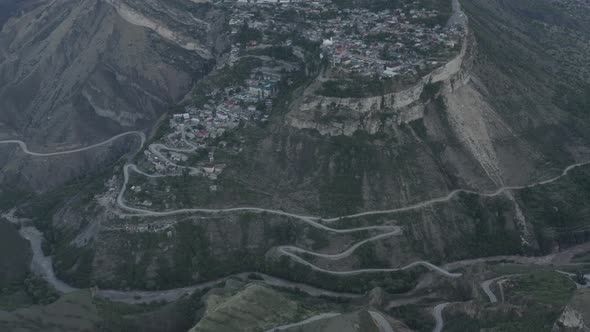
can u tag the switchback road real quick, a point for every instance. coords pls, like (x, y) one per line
(26, 150)
(311, 220)
(438, 317)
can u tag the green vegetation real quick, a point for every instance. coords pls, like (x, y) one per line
(416, 317)
(319, 237)
(559, 210)
(490, 235)
(254, 308)
(15, 255)
(548, 288)
(78, 192)
(583, 257)
(473, 226)
(247, 34)
(190, 191)
(26, 292)
(18, 287)
(72, 312)
(573, 99)
(220, 79)
(374, 5)
(539, 299)
(341, 192)
(430, 91)
(10, 199)
(356, 87)
(444, 9)
(39, 290)
(154, 317)
(73, 265)
(192, 252)
(392, 282)
(368, 257)
(276, 52)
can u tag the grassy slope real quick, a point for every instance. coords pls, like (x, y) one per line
(533, 303)
(15, 255)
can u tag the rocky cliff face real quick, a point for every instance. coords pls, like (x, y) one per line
(512, 111)
(494, 112)
(344, 116)
(570, 321)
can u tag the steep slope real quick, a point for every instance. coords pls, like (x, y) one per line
(77, 70)
(511, 112)
(82, 71)
(255, 308)
(514, 111)
(11, 7)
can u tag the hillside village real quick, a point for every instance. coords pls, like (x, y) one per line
(384, 43)
(269, 42)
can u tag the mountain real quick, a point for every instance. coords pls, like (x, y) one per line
(82, 71)
(9, 8)
(464, 175)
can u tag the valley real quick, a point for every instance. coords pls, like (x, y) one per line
(420, 166)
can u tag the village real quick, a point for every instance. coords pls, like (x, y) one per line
(385, 43)
(199, 131)
(382, 44)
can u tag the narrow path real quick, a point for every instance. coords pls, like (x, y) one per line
(486, 288)
(425, 264)
(416, 206)
(26, 150)
(396, 230)
(438, 317)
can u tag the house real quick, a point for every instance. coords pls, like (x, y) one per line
(203, 133)
(209, 169)
(221, 115)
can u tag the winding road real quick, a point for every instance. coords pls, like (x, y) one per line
(486, 288)
(416, 206)
(26, 150)
(438, 317)
(43, 264)
(395, 230)
(382, 323)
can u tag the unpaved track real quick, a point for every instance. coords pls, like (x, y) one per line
(486, 288)
(417, 206)
(26, 150)
(425, 264)
(437, 313)
(396, 230)
(311, 220)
